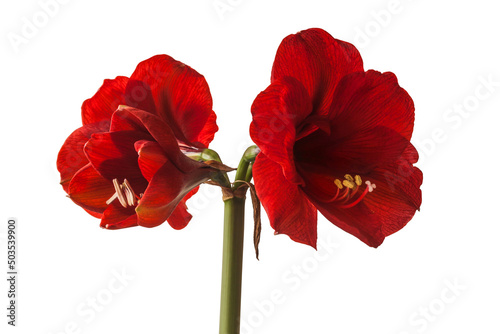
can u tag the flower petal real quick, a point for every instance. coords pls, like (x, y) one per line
(101, 106)
(138, 95)
(126, 118)
(94, 214)
(318, 61)
(90, 190)
(358, 153)
(113, 155)
(117, 217)
(289, 210)
(151, 157)
(277, 112)
(180, 217)
(398, 194)
(382, 212)
(207, 133)
(369, 99)
(181, 96)
(359, 221)
(166, 189)
(71, 157)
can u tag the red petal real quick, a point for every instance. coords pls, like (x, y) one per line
(126, 118)
(151, 157)
(113, 155)
(359, 221)
(277, 112)
(366, 100)
(71, 157)
(319, 181)
(382, 212)
(208, 131)
(289, 210)
(181, 96)
(94, 214)
(180, 217)
(358, 153)
(398, 193)
(166, 189)
(117, 217)
(90, 190)
(101, 106)
(190, 194)
(318, 61)
(138, 95)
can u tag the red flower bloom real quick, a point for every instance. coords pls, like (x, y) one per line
(126, 164)
(335, 139)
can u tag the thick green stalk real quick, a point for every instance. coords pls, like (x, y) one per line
(232, 264)
(232, 256)
(244, 166)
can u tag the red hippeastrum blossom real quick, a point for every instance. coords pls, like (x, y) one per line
(334, 138)
(128, 163)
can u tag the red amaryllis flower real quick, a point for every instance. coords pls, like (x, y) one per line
(334, 138)
(127, 163)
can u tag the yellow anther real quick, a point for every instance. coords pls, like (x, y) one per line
(358, 180)
(348, 177)
(338, 184)
(348, 184)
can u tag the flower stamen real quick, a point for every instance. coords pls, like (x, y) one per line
(125, 194)
(351, 184)
(358, 180)
(129, 193)
(348, 177)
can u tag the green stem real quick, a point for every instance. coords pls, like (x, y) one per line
(241, 173)
(249, 174)
(232, 264)
(232, 253)
(244, 166)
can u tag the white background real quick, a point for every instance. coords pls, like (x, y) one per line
(442, 53)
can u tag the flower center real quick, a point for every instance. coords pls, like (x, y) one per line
(348, 191)
(124, 193)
